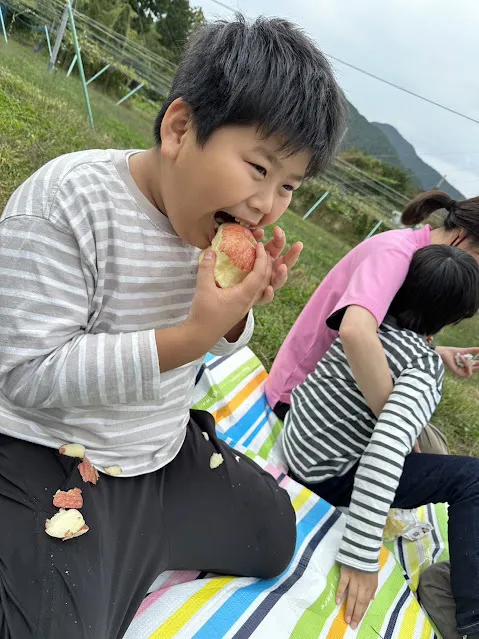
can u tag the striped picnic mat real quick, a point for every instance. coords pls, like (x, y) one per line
(300, 603)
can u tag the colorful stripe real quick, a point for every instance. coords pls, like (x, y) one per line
(231, 388)
(181, 617)
(267, 605)
(244, 597)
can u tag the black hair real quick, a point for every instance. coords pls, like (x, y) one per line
(267, 73)
(440, 289)
(461, 214)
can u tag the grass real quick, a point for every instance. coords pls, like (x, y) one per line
(43, 115)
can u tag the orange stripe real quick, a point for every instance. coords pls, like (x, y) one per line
(339, 626)
(233, 404)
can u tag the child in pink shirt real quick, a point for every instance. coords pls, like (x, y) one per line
(354, 297)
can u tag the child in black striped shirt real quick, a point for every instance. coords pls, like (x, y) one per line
(335, 445)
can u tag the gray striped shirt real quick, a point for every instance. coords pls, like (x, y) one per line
(330, 427)
(89, 268)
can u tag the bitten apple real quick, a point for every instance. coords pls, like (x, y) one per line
(235, 249)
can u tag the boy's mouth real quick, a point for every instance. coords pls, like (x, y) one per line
(221, 217)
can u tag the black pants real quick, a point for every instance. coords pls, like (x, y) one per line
(281, 409)
(436, 479)
(231, 520)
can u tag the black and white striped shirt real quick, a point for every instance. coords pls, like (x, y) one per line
(330, 427)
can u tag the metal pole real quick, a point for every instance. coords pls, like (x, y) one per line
(80, 64)
(48, 41)
(371, 233)
(107, 66)
(58, 40)
(70, 69)
(130, 93)
(3, 24)
(323, 197)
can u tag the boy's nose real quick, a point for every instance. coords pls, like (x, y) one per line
(262, 202)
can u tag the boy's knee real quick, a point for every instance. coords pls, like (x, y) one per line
(278, 534)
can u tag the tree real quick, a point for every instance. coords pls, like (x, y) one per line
(395, 177)
(175, 23)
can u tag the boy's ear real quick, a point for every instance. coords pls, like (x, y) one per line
(174, 127)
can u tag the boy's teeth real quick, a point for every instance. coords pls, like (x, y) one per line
(242, 223)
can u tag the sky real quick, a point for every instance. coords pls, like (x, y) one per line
(430, 47)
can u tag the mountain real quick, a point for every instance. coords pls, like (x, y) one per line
(427, 176)
(384, 142)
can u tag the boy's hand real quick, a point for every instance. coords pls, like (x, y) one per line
(448, 355)
(215, 311)
(281, 263)
(361, 587)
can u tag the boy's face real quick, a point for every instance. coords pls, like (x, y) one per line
(236, 175)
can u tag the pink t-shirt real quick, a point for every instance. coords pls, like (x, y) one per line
(369, 276)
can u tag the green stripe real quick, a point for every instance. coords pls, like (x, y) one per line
(314, 618)
(267, 447)
(219, 391)
(381, 605)
(442, 519)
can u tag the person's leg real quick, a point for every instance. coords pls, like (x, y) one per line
(432, 441)
(435, 595)
(437, 479)
(453, 480)
(233, 519)
(88, 587)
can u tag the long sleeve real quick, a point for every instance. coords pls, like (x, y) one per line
(410, 406)
(47, 357)
(223, 347)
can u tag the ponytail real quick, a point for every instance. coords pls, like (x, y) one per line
(461, 215)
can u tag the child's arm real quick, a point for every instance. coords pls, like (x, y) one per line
(366, 357)
(371, 288)
(410, 406)
(48, 359)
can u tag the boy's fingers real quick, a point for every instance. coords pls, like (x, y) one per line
(258, 234)
(206, 269)
(292, 256)
(267, 296)
(280, 277)
(253, 280)
(276, 246)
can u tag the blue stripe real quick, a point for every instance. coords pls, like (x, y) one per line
(240, 600)
(402, 560)
(273, 597)
(394, 617)
(257, 429)
(199, 373)
(238, 429)
(212, 361)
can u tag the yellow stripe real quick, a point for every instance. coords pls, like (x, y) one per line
(409, 624)
(339, 626)
(427, 629)
(301, 499)
(234, 403)
(188, 610)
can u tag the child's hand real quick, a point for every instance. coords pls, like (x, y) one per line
(449, 354)
(361, 587)
(215, 311)
(281, 263)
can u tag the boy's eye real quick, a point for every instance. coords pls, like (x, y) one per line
(259, 168)
(288, 187)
